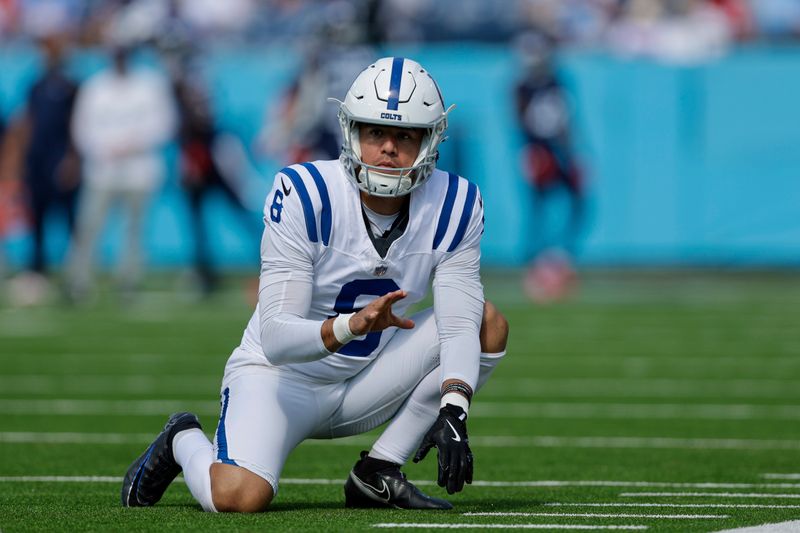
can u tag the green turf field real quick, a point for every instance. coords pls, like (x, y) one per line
(662, 401)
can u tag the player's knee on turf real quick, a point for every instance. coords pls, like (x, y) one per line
(494, 329)
(237, 490)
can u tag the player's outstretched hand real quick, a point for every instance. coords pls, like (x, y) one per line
(377, 315)
(449, 435)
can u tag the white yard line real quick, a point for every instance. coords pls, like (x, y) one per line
(34, 437)
(106, 384)
(792, 526)
(64, 406)
(781, 476)
(662, 484)
(66, 362)
(31, 437)
(60, 479)
(707, 494)
(514, 387)
(394, 525)
(488, 441)
(476, 483)
(665, 358)
(677, 505)
(16, 325)
(635, 442)
(640, 388)
(627, 411)
(610, 515)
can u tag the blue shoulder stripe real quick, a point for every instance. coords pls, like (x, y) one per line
(472, 192)
(325, 222)
(447, 210)
(305, 199)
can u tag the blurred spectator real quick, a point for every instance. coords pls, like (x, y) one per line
(203, 161)
(446, 20)
(305, 126)
(46, 17)
(142, 21)
(403, 20)
(290, 22)
(25, 288)
(777, 19)
(227, 18)
(4, 194)
(739, 15)
(50, 164)
(138, 20)
(299, 128)
(123, 118)
(8, 17)
(676, 31)
(575, 22)
(550, 168)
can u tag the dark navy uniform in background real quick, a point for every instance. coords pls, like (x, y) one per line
(50, 104)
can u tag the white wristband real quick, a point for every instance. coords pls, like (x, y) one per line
(454, 398)
(341, 329)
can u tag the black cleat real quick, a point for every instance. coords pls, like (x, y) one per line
(385, 486)
(150, 475)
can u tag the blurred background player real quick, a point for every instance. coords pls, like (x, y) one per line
(304, 126)
(205, 159)
(123, 118)
(5, 194)
(50, 166)
(550, 168)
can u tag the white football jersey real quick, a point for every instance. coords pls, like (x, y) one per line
(315, 234)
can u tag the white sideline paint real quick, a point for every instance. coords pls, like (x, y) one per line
(488, 441)
(476, 483)
(21, 326)
(665, 358)
(514, 387)
(29, 437)
(678, 505)
(64, 406)
(780, 476)
(393, 525)
(792, 526)
(60, 479)
(105, 407)
(662, 484)
(608, 515)
(544, 441)
(32, 384)
(636, 411)
(712, 494)
(640, 388)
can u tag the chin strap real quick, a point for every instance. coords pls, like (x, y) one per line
(398, 183)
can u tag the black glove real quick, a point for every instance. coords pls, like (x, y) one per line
(449, 435)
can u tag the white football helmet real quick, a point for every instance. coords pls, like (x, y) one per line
(398, 92)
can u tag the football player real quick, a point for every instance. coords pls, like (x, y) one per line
(348, 246)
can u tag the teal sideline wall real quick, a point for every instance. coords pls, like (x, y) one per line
(691, 165)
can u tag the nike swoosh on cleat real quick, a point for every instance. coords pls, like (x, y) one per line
(134, 489)
(457, 437)
(286, 192)
(382, 494)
